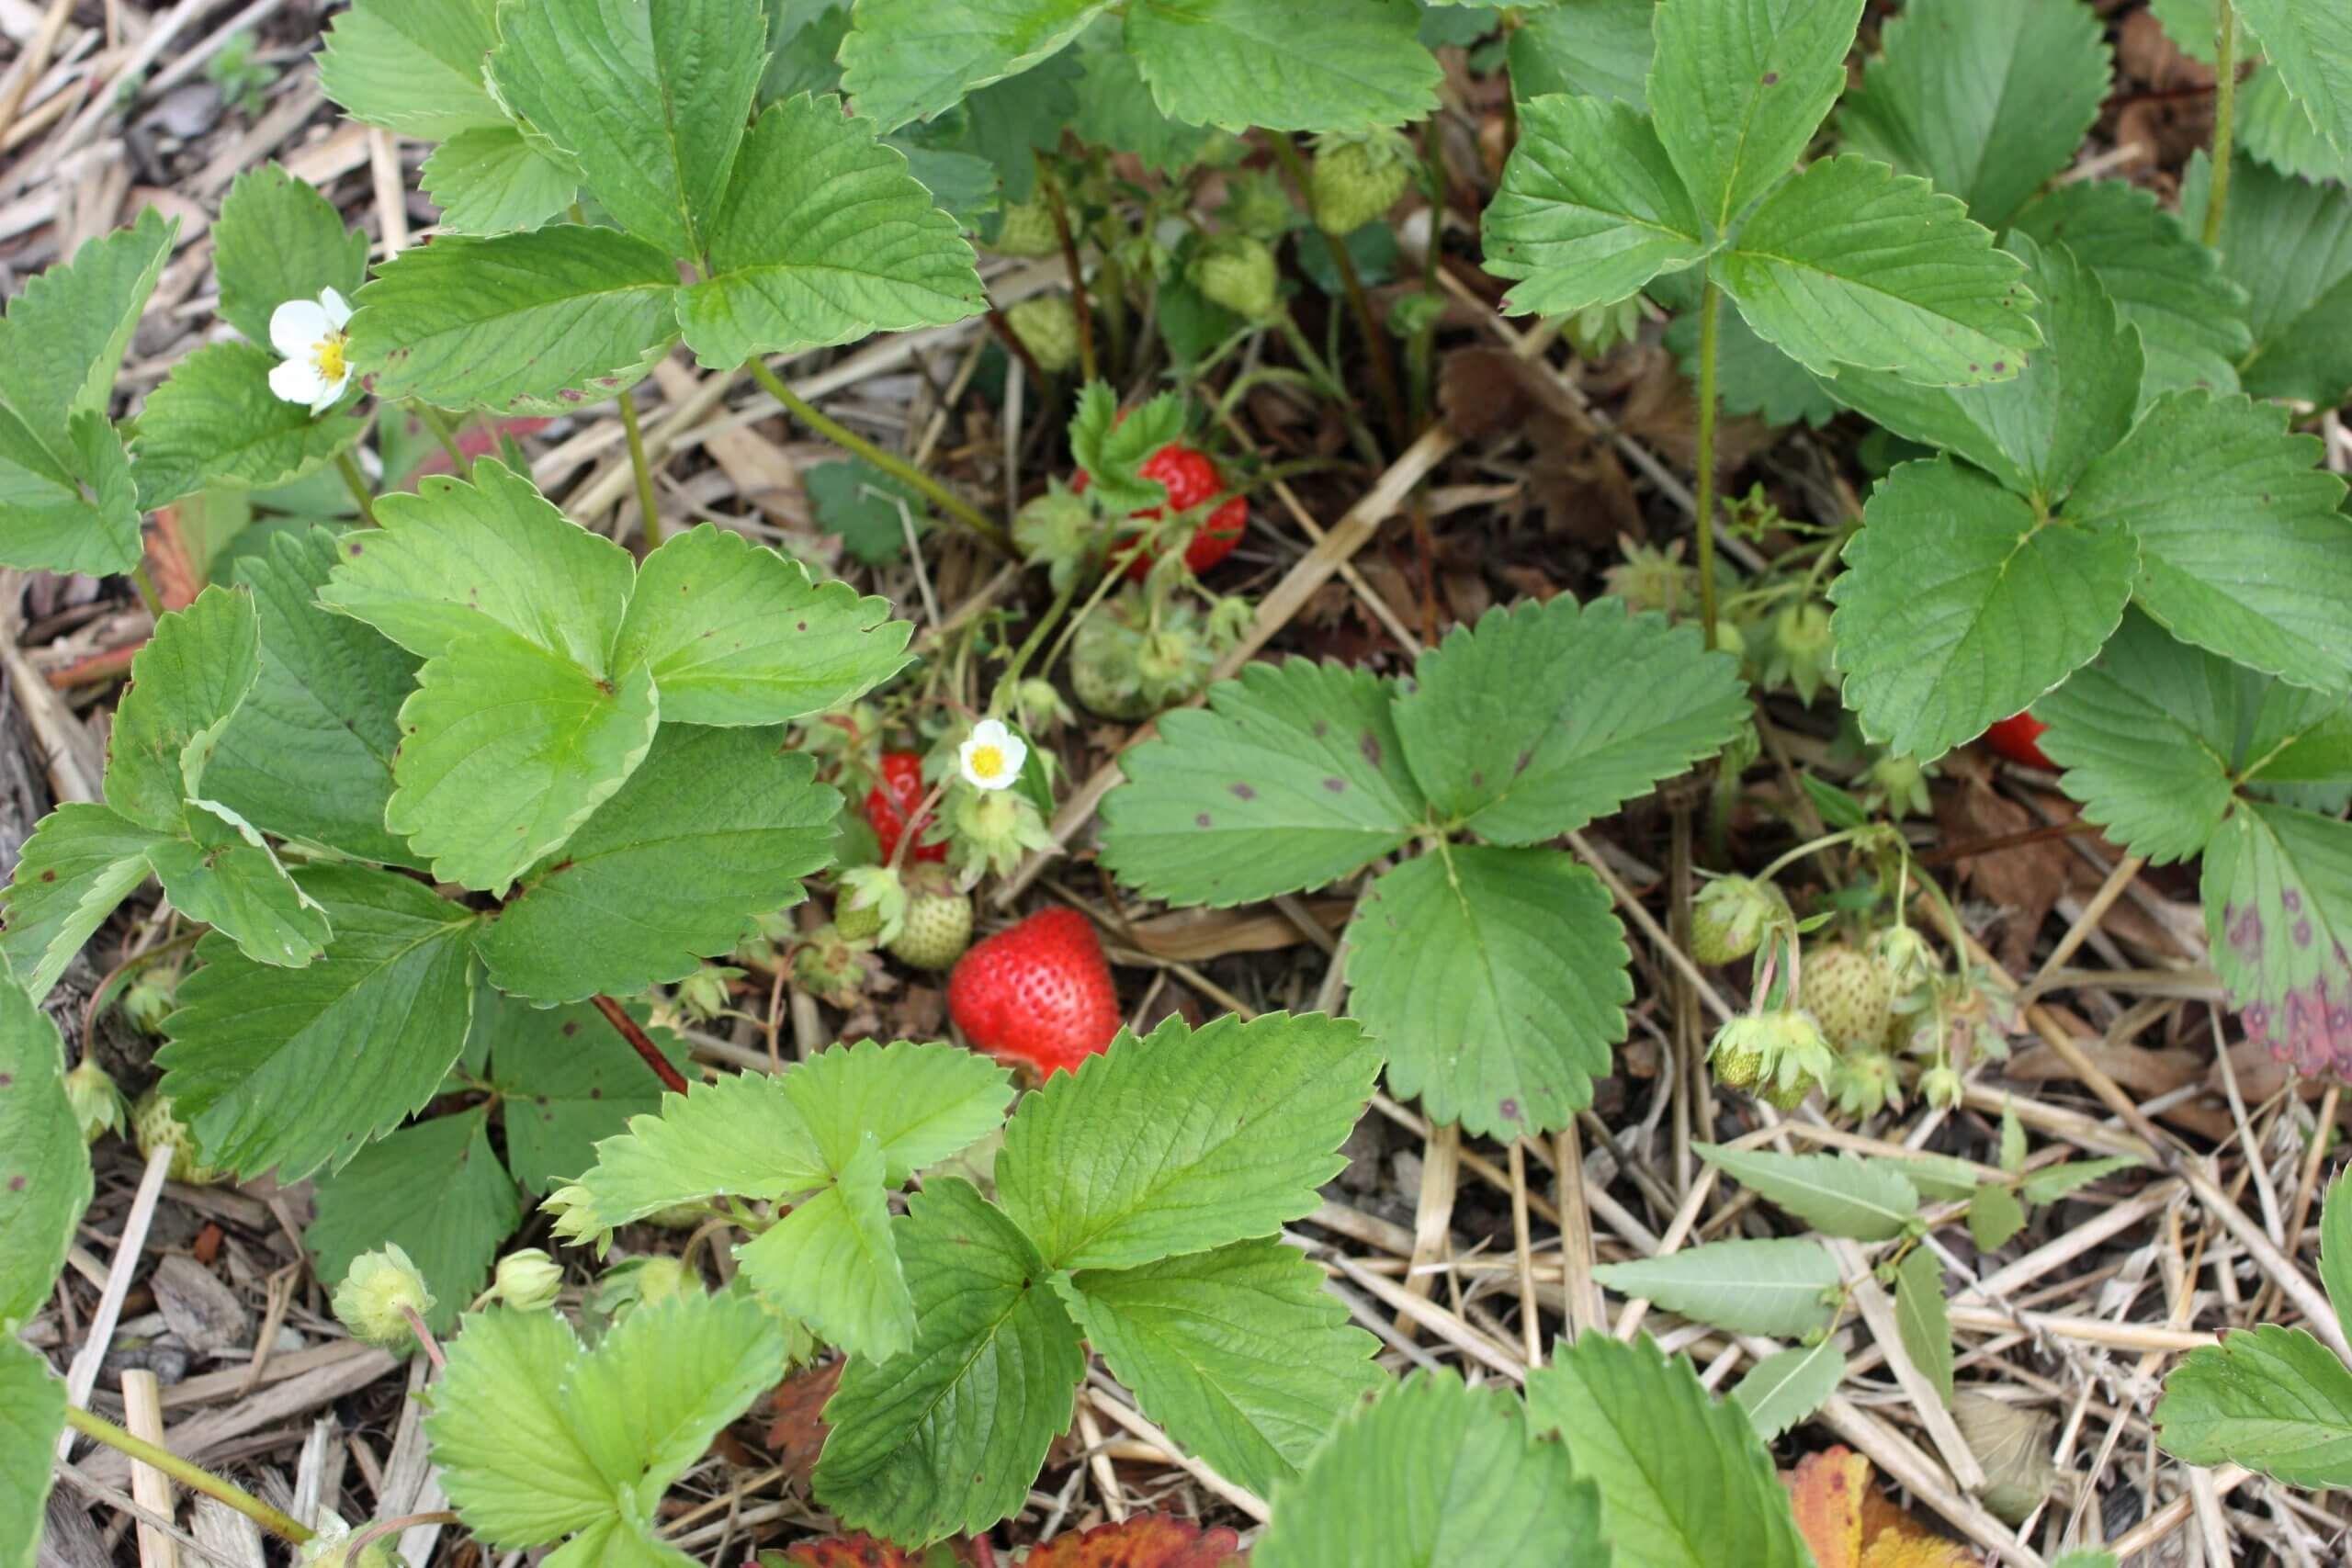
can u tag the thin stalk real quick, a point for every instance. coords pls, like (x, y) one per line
(1029, 647)
(642, 1043)
(2225, 105)
(1376, 349)
(1053, 190)
(643, 470)
(148, 593)
(434, 420)
(1319, 371)
(1710, 311)
(807, 413)
(356, 483)
(1110, 288)
(194, 1477)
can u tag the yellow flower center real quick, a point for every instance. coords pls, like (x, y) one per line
(988, 761)
(327, 356)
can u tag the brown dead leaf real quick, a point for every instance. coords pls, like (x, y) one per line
(799, 1430)
(1145, 1540)
(2027, 880)
(1195, 936)
(1483, 393)
(866, 1552)
(1850, 1524)
(171, 566)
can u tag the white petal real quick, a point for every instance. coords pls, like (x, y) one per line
(330, 392)
(297, 381)
(337, 310)
(991, 732)
(296, 325)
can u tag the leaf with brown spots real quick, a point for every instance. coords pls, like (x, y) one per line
(1146, 1540)
(866, 1552)
(1848, 1524)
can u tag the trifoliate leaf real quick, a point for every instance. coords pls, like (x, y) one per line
(2191, 317)
(1496, 980)
(2273, 129)
(1849, 264)
(81, 860)
(713, 828)
(75, 510)
(458, 558)
(1986, 99)
(215, 421)
(1751, 376)
(1960, 606)
(1922, 1319)
(1539, 719)
(451, 1239)
(493, 180)
(413, 66)
(2311, 49)
(649, 101)
(832, 1264)
(921, 1103)
(1589, 210)
(947, 1438)
(2037, 433)
(737, 634)
(1836, 1194)
(1599, 48)
(2273, 1399)
(538, 322)
(32, 1413)
(1238, 1352)
(2053, 1182)
(1336, 66)
(1293, 777)
(1184, 1139)
(1680, 1473)
(1436, 1475)
(308, 753)
(910, 59)
(567, 1079)
(1112, 447)
(2278, 894)
(1739, 86)
(69, 328)
(1750, 1287)
(45, 1180)
(277, 239)
(2243, 547)
(2289, 244)
(824, 237)
(1787, 1386)
(300, 1068)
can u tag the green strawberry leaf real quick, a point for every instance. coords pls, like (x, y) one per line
(493, 180)
(823, 238)
(1680, 1473)
(81, 860)
(45, 1180)
(713, 828)
(32, 1413)
(68, 329)
(300, 1068)
(1541, 718)
(185, 685)
(75, 510)
(1496, 979)
(832, 1263)
(1589, 209)
(1849, 264)
(905, 60)
(1293, 777)
(1599, 48)
(1751, 376)
(2335, 1246)
(277, 239)
(1836, 1194)
(2273, 128)
(1116, 110)
(215, 421)
(2053, 1182)
(2289, 245)
(1113, 446)
(2195, 30)
(738, 635)
(1787, 1386)
(1739, 86)
(2277, 894)
(2273, 1399)
(537, 322)
(451, 1239)
(1184, 1139)
(2310, 47)
(1436, 1475)
(947, 1438)
(226, 877)
(1959, 606)
(1779, 1287)
(1922, 1319)
(567, 1079)
(1238, 1352)
(1336, 66)
(1986, 98)
(509, 1459)
(413, 66)
(649, 102)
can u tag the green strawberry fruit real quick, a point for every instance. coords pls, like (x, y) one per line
(855, 924)
(938, 928)
(1047, 328)
(1027, 231)
(1729, 916)
(153, 1126)
(1356, 180)
(1236, 272)
(1850, 994)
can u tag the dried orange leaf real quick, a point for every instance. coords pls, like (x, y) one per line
(1146, 1540)
(1826, 1491)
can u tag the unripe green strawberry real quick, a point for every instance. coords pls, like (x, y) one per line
(856, 924)
(1729, 916)
(1027, 231)
(1236, 272)
(1800, 652)
(1864, 1081)
(97, 1104)
(1777, 1056)
(153, 1126)
(829, 968)
(1940, 1087)
(1851, 994)
(1255, 203)
(938, 929)
(1047, 328)
(1356, 180)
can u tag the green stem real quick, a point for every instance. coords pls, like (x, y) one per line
(1029, 647)
(1710, 313)
(147, 592)
(898, 468)
(1811, 846)
(1319, 371)
(1375, 349)
(1053, 189)
(1113, 575)
(193, 1477)
(643, 470)
(2225, 105)
(434, 420)
(356, 483)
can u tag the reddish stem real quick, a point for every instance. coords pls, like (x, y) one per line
(617, 1016)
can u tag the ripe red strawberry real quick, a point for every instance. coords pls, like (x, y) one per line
(889, 803)
(1037, 993)
(1192, 478)
(2016, 737)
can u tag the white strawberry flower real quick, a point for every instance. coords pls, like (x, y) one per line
(309, 334)
(992, 758)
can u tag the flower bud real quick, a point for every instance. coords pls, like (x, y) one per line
(379, 1292)
(97, 1103)
(703, 994)
(527, 1280)
(1940, 1088)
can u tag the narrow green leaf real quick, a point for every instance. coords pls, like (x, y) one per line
(508, 1457)
(910, 59)
(568, 1080)
(1787, 1386)
(2310, 46)
(277, 239)
(2053, 1182)
(45, 1180)
(1291, 778)
(1995, 1217)
(1238, 1352)
(1936, 1176)
(68, 329)
(2273, 1399)
(2012, 1140)
(1184, 1139)
(493, 180)
(1776, 1287)
(2289, 244)
(2278, 894)
(830, 1263)
(1337, 65)
(81, 860)
(1739, 86)
(1436, 1475)
(1922, 1318)
(215, 421)
(1680, 1473)
(413, 66)
(451, 1239)
(1836, 1194)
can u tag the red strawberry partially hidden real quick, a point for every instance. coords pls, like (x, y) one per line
(1192, 478)
(2014, 739)
(1037, 992)
(889, 803)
